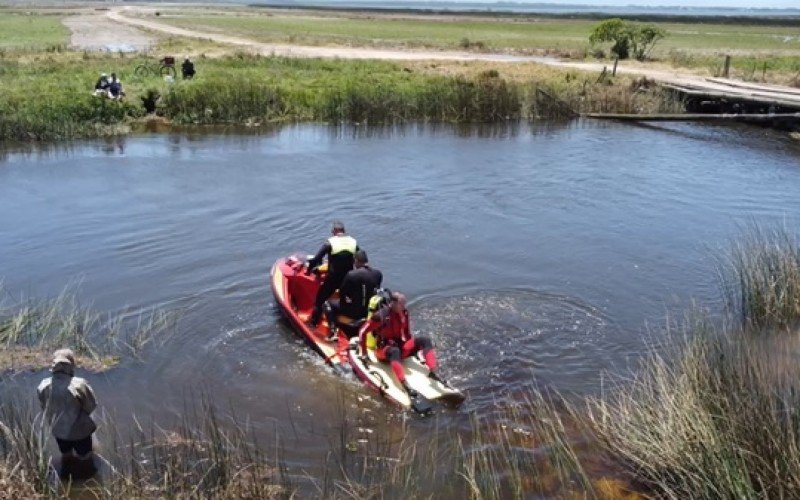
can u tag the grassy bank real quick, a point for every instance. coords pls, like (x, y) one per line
(46, 96)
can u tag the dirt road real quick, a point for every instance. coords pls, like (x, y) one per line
(95, 31)
(123, 15)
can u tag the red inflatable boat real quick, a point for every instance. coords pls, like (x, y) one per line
(295, 292)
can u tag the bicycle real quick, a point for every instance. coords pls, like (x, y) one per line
(164, 67)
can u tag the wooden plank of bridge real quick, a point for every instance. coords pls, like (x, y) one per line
(755, 86)
(754, 97)
(754, 118)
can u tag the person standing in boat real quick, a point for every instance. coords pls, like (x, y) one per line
(340, 249)
(358, 286)
(391, 326)
(68, 402)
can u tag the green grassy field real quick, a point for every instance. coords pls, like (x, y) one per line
(20, 30)
(495, 34)
(392, 32)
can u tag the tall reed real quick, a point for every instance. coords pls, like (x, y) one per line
(721, 421)
(760, 277)
(32, 328)
(204, 456)
(24, 459)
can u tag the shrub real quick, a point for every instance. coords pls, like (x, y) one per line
(627, 38)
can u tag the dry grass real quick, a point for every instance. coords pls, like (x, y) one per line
(204, 456)
(721, 422)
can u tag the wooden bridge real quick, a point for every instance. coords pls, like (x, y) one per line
(721, 99)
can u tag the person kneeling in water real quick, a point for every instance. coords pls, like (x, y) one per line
(391, 327)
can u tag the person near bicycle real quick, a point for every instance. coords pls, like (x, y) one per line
(187, 69)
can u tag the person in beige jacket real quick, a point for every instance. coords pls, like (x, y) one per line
(68, 402)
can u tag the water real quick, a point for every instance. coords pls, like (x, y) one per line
(546, 253)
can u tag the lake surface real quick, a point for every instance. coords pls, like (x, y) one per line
(530, 253)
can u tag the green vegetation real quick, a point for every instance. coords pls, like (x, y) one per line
(48, 96)
(761, 279)
(274, 89)
(720, 422)
(200, 457)
(382, 31)
(629, 39)
(45, 93)
(32, 31)
(694, 45)
(31, 330)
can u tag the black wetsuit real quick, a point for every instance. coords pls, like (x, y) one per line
(339, 264)
(187, 69)
(358, 286)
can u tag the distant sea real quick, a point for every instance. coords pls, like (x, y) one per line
(534, 8)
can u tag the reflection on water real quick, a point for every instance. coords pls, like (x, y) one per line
(529, 252)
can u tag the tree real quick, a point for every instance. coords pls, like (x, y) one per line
(628, 39)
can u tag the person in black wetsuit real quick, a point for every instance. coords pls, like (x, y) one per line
(358, 286)
(340, 249)
(187, 69)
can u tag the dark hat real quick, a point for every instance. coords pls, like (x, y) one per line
(361, 256)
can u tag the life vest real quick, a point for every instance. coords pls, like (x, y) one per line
(342, 243)
(382, 297)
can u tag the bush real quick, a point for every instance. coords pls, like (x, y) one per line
(628, 39)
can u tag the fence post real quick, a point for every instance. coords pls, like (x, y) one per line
(614, 71)
(727, 68)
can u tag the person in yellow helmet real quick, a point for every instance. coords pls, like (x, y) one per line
(392, 327)
(340, 249)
